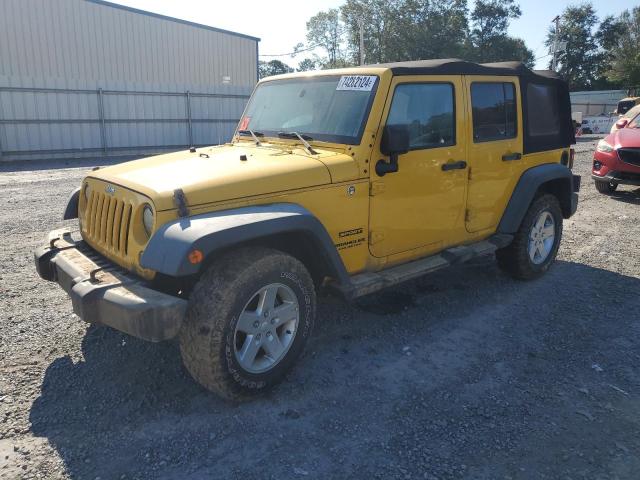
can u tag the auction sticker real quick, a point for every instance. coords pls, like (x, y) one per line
(356, 82)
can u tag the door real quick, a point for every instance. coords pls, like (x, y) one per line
(420, 204)
(495, 148)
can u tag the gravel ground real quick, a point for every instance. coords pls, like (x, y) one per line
(464, 373)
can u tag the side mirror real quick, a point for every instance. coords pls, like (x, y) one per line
(395, 141)
(622, 123)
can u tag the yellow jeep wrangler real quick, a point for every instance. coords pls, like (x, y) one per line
(352, 179)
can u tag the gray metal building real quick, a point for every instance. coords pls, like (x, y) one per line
(82, 78)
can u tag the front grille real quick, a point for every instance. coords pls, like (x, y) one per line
(107, 221)
(630, 155)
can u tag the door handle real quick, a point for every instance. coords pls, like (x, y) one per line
(459, 165)
(507, 157)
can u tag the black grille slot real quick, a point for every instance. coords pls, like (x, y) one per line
(630, 155)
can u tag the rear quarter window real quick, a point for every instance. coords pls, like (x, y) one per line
(543, 113)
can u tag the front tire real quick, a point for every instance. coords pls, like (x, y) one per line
(605, 187)
(249, 318)
(535, 244)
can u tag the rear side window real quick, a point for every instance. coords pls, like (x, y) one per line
(428, 110)
(543, 112)
(494, 111)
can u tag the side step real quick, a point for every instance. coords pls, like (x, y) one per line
(370, 282)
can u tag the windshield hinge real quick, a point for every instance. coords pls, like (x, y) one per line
(375, 188)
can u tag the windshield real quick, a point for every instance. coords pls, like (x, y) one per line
(632, 113)
(330, 109)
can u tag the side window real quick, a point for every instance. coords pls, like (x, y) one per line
(494, 111)
(543, 115)
(428, 110)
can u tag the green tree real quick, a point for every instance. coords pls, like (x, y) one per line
(610, 31)
(489, 41)
(307, 64)
(491, 19)
(324, 30)
(623, 53)
(377, 16)
(431, 29)
(400, 30)
(274, 67)
(581, 63)
(397, 30)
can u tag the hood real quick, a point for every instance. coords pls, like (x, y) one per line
(215, 174)
(625, 137)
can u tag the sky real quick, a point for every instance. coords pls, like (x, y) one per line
(281, 24)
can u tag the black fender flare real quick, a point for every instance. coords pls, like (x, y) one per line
(530, 182)
(71, 210)
(168, 249)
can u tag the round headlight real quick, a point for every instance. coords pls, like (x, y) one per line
(147, 219)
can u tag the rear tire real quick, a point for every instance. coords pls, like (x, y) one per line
(535, 244)
(233, 341)
(605, 187)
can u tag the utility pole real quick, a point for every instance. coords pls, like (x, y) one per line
(361, 25)
(556, 35)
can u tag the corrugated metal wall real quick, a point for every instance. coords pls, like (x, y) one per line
(82, 77)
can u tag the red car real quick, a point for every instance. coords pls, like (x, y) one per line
(617, 158)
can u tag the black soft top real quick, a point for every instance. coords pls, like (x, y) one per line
(455, 66)
(533, 112)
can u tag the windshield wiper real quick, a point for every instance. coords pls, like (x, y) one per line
(303, 138)
(253, 134)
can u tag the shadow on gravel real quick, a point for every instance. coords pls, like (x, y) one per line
(88, 407)
(129, 409)
(627, 196)
(591, 137)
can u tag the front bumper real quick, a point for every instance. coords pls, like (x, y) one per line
(103, 293)
(620, 178)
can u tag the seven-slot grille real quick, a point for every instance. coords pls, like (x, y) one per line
(630, 155)
(107, 221)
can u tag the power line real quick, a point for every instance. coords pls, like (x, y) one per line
(311, 47)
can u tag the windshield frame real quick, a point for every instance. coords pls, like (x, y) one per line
(319, 137)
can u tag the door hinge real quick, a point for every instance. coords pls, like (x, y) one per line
(469, 173)
(375, 188)
(375, 237)
(467, 215)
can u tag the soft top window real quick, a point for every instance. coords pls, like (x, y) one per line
(544, 118)
(546, 114)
